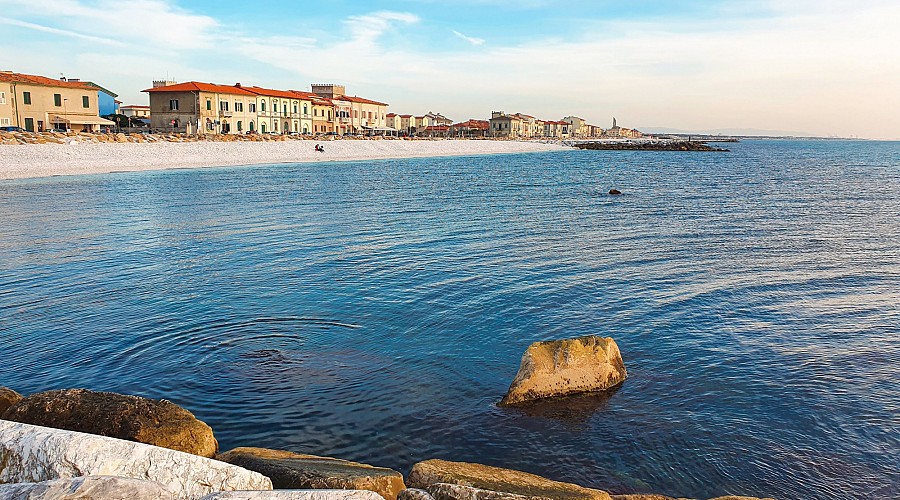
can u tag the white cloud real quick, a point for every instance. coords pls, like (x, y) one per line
(57, 31)
(472, 40)
(366, 29)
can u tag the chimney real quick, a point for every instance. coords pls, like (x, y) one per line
(238, 84)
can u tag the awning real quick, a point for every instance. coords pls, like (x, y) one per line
(82, 120)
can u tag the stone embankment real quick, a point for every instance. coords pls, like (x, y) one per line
(647, 145)
(81, 444)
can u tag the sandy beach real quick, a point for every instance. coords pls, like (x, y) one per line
(42, 160)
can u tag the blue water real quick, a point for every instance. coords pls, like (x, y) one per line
(377, 311)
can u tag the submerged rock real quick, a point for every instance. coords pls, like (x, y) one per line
(160, 423)
(86, 487)
(614, 191)
(563, 367)
(425, 475)
(8, 397)
(30, 453)
(290, 470)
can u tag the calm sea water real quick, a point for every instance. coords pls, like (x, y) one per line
(377, 311)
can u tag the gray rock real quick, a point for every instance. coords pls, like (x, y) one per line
(414, 494)
(30, 453)
(160, 423)
(8, 397)
(289, 470)
(86, 487)
(564, 367)
(294, 495)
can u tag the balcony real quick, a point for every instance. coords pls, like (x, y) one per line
(226, 114)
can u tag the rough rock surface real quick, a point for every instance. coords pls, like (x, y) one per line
(414, 494)
(86, 487)
(293, 470)
(30, 453)
(8, 397)
(443, 491)
(427, 473)
(160, 423)
(645, 496)
(294, 495)
(563, 367)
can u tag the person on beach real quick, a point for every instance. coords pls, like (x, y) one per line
(320, 148)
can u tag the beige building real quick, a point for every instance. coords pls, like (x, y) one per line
(504, 125)
(133, 110)
(36, 103)
(578, 127)
(353, 114)
(206, 108)
(282, 111)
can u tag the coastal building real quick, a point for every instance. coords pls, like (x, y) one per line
(281, 111)
(136, 111)
(37, 103)
(577, 126)
(322, 114)
(205, 108)
(504, 125)
(471, 128)
(353, 114)
(106, 100)
(621, 132)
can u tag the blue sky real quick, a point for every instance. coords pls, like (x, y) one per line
(823, 67)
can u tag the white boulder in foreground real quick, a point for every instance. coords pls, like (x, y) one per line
(31, 453)
(295, 495)
(563, 367)
(86, 487)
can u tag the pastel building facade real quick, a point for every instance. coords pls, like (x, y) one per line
(37, 103)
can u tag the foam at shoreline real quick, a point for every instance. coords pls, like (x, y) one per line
(42, 160)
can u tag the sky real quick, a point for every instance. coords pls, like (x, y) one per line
(823, 67)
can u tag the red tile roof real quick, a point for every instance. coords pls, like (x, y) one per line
(360, 100)
(201, 87)
(473, 124)
(438, 128)
(287, 94)
(10, 77)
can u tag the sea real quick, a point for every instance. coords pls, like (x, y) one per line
(377, 311)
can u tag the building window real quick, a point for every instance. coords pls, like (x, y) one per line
(57, 100)
(240, 124)
(29, 124)
(2, 97)
(239, 107)
(85, 102)
(252, 107)
(4, 122)
(209, 105)
(223, 105)
(262, 108)
(305, 110)
(26, 97)
(173, 104)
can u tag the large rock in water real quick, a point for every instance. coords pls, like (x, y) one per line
(290, 470)
(564, 367)
(160, 423)
(30, 453)
(8, 397)
(425, 475)
(86, 487)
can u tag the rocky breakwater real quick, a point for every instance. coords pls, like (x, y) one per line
(294, 470)
(460, 480)
(661, 145)
(565, 367)
(159, 423)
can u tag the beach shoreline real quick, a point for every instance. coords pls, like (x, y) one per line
(23, 161)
